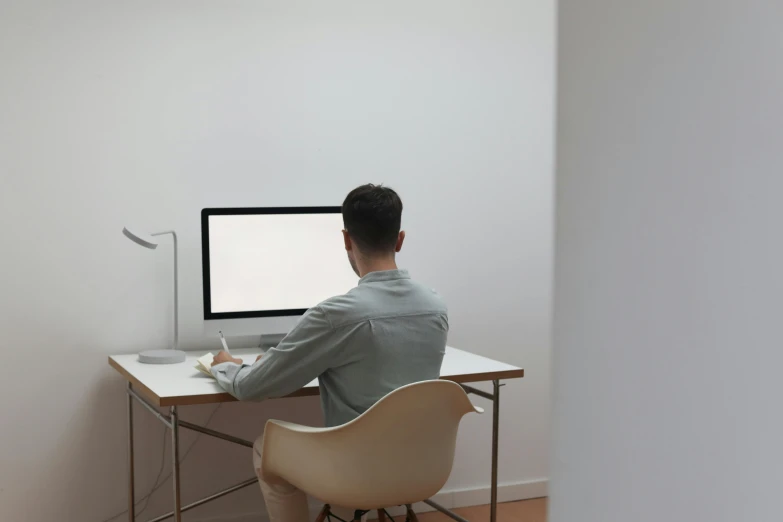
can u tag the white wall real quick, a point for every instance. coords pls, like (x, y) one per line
(115, 113)
(668, 276)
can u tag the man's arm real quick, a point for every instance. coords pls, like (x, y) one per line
(304, 354)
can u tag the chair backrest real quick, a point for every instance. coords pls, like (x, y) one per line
(400, 451)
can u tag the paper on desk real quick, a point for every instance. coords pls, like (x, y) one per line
(203, 364)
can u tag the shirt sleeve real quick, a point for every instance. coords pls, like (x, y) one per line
(304, 354)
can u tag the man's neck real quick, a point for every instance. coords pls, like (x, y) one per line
(377, 265)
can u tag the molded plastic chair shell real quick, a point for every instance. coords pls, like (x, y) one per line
(398, 452)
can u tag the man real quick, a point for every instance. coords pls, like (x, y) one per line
(387, 332)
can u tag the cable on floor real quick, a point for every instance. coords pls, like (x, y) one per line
(158, 481)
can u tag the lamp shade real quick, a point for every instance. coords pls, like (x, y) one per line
(144, 240)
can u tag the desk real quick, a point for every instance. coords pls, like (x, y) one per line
(181, 384)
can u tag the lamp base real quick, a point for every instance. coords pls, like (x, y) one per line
(162, 356)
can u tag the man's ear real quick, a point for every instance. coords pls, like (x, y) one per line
(347, 240)
(400, 240)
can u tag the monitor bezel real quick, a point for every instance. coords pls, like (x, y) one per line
(205, 275)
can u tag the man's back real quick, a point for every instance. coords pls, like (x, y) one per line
(387, 332)
(391, 332)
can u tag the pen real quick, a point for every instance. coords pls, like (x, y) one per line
(223, 340)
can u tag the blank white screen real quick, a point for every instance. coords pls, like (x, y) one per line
(276, 261)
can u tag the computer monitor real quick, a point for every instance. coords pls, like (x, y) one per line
(264, 267)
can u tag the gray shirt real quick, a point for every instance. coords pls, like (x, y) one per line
(387, 332)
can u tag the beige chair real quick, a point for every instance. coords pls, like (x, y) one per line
(398, 452)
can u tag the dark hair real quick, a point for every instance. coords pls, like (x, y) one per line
(372, 216)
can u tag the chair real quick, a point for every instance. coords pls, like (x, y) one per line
(398, 452)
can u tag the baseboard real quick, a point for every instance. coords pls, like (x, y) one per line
(448, 499)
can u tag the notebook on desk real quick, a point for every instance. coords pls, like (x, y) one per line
(203, 364)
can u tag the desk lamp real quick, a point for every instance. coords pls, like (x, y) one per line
(172, 355)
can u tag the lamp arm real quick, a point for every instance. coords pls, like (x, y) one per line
(176, 285)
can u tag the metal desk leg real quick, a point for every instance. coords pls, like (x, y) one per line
(175, 463)
(493, 514)
(131, 474)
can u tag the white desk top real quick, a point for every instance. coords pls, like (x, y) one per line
(182, 385)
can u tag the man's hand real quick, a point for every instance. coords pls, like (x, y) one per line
(224, 356)
(259, 357)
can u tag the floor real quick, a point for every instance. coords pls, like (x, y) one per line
(523, 511)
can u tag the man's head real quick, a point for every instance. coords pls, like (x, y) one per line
(372, 216)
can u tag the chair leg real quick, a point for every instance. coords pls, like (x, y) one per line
(410, 515)
(382, 516)
(323, 514)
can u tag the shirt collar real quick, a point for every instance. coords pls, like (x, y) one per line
(385, 275)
